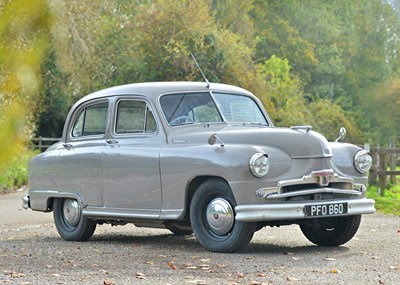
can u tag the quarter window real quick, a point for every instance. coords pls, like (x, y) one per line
(134, 116)
(91, 121)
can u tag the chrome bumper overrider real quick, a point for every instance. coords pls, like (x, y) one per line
(295, 211)
(25, 202)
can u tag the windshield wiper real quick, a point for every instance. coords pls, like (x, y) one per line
(255, 124)
(183, 123)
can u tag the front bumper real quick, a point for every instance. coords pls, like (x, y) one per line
(295, 211)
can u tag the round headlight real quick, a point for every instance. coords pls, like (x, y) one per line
(363, 161)
(259, 164)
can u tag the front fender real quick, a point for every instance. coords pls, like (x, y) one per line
(343, 161)
(180, 165)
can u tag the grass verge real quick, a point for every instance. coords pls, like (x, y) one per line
(15, 174)
(390, 203)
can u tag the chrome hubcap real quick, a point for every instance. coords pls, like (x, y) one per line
(220, 216)
(71, 212)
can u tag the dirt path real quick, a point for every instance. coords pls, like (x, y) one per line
(31, 252)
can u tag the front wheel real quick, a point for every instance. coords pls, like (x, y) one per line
(70, 223)
(213, 220)
(331, 231)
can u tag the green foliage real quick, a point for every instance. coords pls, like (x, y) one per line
(23, 39)
(53, 104)
(380, 107)
(310, 62)
(284, 91)
(328, 118)
(390, 203)
(15, 173)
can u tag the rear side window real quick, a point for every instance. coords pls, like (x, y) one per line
(92, 121)
(134, 117)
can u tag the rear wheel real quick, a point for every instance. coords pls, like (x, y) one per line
(70, 223)
(331, 231)
(213, 218)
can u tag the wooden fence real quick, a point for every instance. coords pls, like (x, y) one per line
(42, 144)
(385, 161)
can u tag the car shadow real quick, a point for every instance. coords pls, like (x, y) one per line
(271, 249)
(190, 243)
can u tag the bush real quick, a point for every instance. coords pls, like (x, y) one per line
(15, 173)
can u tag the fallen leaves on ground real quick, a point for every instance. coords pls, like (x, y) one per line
(334, 271)
(197, 282)
(204, 265)
(292, 278)
(255, 283)
(17, 275)
(140, 275)
(108, 282)
(221, 265)
(171, 265)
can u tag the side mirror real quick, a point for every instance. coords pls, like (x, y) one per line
(342, 134)
(213, 139)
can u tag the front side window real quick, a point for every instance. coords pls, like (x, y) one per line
(133, 117)
(91, 121)
(189, 108)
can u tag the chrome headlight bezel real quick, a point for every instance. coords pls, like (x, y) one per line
(362, 161)
(259, 165)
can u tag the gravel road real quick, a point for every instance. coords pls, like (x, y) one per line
(31, 252)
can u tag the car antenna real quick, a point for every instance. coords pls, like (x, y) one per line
(205, 78)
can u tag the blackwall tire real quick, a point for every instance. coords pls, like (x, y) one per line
(213, 218)
(331, 231)
(70, 223)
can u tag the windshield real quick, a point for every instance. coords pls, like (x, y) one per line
(239, 109)
(189, 108)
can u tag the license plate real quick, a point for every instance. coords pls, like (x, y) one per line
(319, 210)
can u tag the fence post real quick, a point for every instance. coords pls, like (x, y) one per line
(40, 144)
(392, 163)
(382, 176)
(373, 173)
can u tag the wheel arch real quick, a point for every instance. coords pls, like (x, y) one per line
(44, 200)
(193, 185)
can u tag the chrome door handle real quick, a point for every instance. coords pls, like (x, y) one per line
(112, 141)
(68, 146)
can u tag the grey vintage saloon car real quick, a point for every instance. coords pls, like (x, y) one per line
(196, 157)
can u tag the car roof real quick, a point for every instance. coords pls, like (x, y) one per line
(154, 89)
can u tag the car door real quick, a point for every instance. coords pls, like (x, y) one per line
(130, 162)
(79, 164)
